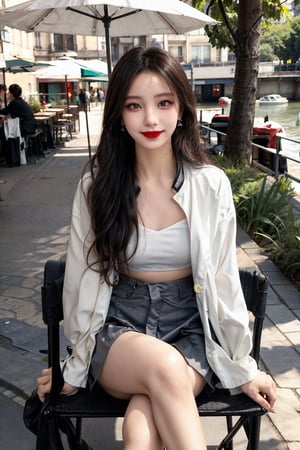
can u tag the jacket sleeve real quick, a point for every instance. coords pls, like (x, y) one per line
(84, 313)
(7, 110)
(232, 331)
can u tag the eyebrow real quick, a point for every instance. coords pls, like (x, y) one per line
(163, 94)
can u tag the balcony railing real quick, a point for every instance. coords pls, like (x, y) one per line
(62, 49)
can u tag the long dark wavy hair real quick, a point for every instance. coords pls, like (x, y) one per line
(112, 195)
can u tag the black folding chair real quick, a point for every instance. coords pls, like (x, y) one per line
(98, 403)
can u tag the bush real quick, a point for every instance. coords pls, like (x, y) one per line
(264, 211)
(284, 247)
(35, 105)
(259, 205)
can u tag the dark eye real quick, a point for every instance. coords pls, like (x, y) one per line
(165, 103)
(132, 106)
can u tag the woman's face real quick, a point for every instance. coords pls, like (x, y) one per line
(150, 112)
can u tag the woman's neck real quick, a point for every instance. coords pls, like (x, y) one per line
(155, 167)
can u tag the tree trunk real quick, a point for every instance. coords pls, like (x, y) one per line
(242, 112)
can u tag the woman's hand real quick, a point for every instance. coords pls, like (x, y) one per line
(44, 385)
(262, 390)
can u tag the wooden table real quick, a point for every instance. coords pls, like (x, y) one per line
(57, 111)
(45, 121)
(44, 115)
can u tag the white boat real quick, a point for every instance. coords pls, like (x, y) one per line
(273, 99)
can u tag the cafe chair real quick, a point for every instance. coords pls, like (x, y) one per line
(63, 128)
(34, 144)
(239, 411)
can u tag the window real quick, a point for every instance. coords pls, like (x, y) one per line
(37, 36)
(176, 52)
(5, 35)
(63, 42)
(70, 42)
(200, 54)
(58, 42)
(231, 57)
(114, 52)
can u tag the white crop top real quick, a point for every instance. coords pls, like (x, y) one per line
(166, 249)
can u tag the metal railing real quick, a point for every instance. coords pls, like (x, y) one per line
(278, 154)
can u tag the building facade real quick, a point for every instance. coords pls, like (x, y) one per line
(210, 70)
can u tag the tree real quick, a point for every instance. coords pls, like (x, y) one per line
(266, 52)
(240, 29)
(293, 44)
(276, 37)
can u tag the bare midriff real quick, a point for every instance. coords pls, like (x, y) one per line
(159, 276)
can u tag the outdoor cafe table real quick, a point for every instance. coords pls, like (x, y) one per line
(45, 114)
(45, 122)
(57, 111)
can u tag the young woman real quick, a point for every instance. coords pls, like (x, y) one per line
(152, 300)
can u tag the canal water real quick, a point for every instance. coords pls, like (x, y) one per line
(286, 115)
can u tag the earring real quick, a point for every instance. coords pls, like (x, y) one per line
(179, 123)
(122, 127)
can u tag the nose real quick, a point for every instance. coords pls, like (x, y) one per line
(150, 117)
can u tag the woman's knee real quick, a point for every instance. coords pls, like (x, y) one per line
(170, 372)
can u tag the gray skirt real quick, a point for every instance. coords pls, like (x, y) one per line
(167, 311)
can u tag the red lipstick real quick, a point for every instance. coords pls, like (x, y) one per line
(151, 134)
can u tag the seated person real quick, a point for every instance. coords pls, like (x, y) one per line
(17, 107)
(153, 306)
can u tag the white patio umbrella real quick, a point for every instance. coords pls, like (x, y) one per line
(69, 69)
(105, 18)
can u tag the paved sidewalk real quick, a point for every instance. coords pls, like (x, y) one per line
(34, 226)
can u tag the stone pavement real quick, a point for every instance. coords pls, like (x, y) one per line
(34, 226)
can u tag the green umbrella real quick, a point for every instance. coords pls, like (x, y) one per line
(93, 75)
(17, 65)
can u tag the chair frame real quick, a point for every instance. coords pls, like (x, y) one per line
(98, 403)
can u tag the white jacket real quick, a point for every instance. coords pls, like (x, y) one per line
(206, 198)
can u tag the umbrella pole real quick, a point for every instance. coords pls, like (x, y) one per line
(88, 132)
(66, 89)
(106, 22)
(4, 83)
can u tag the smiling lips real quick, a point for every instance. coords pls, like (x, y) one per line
(151, 134)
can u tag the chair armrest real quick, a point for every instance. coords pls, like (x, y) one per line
(52, 315)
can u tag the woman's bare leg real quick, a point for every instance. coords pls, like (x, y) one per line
(139, 429)
(140, 364)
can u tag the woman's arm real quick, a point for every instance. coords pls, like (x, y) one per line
(85, 295)
(228, 312)
(236, 333)
(84, 301)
